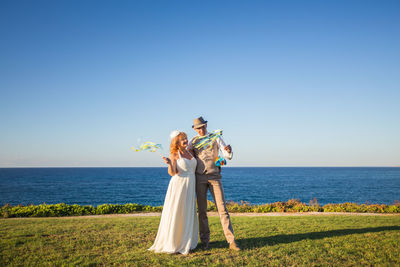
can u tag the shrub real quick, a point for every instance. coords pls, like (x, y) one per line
(62, 209)
(292, 205)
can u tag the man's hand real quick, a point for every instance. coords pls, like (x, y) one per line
(228, 148)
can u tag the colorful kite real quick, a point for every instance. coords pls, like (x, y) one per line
(220, 161)
(207, 140)
(148, 146)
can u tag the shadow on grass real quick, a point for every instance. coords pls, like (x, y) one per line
(249, 243)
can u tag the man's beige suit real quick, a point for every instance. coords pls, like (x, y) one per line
(208, 176)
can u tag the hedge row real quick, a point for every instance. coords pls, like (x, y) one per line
(62, 209)
(295, 205)
(292, 205)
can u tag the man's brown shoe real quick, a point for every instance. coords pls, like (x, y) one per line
(234, 246)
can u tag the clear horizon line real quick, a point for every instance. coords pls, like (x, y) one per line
(336, 166)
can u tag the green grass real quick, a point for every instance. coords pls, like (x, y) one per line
(272, 240)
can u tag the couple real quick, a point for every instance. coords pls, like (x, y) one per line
(193, 172)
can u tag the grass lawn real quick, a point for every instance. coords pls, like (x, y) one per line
(277, 240)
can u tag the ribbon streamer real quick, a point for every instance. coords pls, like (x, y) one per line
(207, 140)
(148, 146)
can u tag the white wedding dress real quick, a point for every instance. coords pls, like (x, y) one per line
(178, 229)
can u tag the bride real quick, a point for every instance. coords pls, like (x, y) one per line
(178, 229)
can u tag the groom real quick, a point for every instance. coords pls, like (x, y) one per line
(208, 176)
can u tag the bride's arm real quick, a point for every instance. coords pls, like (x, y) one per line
(172, 170)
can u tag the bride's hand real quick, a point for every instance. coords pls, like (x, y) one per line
(166, 160)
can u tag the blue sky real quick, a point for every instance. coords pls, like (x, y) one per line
(291, 83)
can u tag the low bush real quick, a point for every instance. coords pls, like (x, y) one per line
(292, 205)
(62, 209)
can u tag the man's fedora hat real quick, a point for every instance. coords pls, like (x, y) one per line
(198, 122)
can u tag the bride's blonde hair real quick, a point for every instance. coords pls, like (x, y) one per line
(175, 142)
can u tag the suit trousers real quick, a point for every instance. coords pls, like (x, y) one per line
(203, 183)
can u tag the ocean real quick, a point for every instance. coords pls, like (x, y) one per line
(94, 186)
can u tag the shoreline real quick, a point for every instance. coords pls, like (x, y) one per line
(230, 166)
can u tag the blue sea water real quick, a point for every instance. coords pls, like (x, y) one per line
(94, 186)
